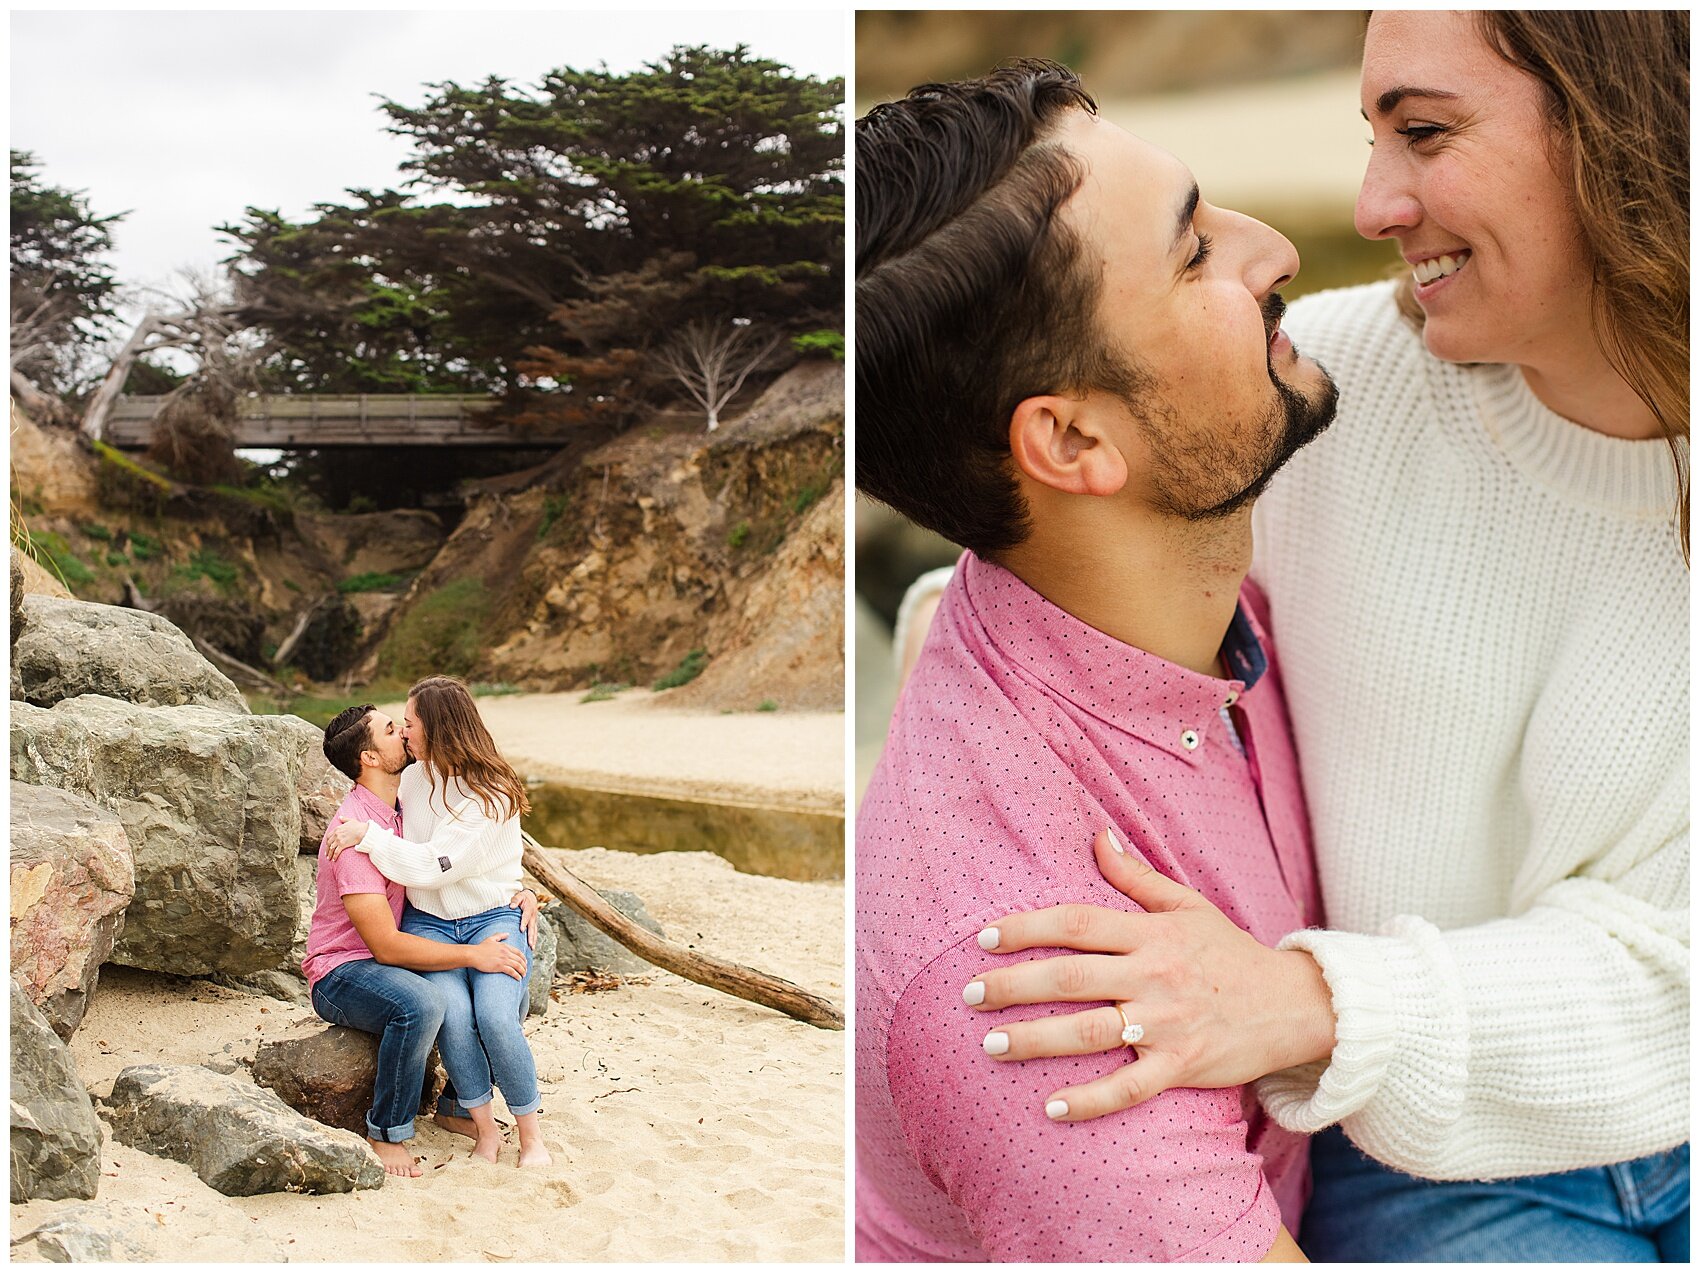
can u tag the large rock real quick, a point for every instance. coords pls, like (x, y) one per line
(69, 647)
(240, 1139)
(328, 1073)
(72, 876)
(582, 946)
(210, 801)
(544, 960)
(17, 597)
(286, 981)
(319, 786)
(79, 1235)
(55, 1138)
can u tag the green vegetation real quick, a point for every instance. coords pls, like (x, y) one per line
(122, 483)
(116, 558)
(806, 498)
(54, 553)
(825, 343)
(142, 548)
(96, 531)
(209, 564)
(739, 534)
(493, 689)
(441, 633)
(602, 691)
(370, 581)
(553, 507)
(767, 705)
(690, 667)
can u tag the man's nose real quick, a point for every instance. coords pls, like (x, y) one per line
(1272, 262)
(1386, 206)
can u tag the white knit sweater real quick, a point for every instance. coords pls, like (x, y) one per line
(1481, 613)
(456, 861)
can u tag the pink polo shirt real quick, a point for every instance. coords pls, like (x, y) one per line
(1021, 733)
(332, 939)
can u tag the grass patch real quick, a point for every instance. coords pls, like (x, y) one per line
(767, 705)
(56, 554)
(370, 581)
(739, 534)
(805, 498)
(97, 531)
(553, 507)
(602, 691)
(116, 558)
(690, 667)
(209, 564)
(143, 548)
(441, 633)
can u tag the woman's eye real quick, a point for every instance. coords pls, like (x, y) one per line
(1419, 132)
(1203, 253)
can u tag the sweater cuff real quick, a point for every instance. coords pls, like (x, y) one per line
(1382, 987)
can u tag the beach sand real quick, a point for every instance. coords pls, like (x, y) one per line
(685, 1125)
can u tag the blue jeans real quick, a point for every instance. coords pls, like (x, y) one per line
(405, 1011)
(482, 1044)
(1627, 1213)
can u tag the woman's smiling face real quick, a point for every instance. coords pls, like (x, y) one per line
(1462, 174)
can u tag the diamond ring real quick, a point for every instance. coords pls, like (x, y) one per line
(1132, 1031)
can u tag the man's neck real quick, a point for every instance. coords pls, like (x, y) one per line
(382, 785)
(1164, 586)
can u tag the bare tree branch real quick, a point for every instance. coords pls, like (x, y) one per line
(712, 360)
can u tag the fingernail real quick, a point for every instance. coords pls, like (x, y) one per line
(1056, 1109)
(996, 1043)
(1115, 842)
(989, 938)
(974, 993)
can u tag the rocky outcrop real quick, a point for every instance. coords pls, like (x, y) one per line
(584, 947)
(544, 960)
(328, 1073)
(239, 1138)
(69, 647)
(17, 597)
(319, 787)
(210, 801)
(55, 1138)
(79, 1235)
(72, 876)
(286, 981)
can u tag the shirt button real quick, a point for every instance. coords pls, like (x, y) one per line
(1189, 740)
(1233, 697)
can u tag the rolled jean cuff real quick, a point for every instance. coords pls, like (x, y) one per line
(450, 1107)
(390, 1135)
(468, 1106)
(532, 1107)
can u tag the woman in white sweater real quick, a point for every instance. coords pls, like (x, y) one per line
(1479, 591)
(461, 862)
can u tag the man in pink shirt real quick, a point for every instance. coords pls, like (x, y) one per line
(362, 971)
(1071, 365)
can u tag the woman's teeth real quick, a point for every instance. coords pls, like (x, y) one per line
(1439, 266)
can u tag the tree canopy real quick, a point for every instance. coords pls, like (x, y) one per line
(545, 239)
(63, 291)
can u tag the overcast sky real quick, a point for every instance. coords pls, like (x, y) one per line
(183, 119)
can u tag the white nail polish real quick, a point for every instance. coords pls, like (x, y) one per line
(974, 993)
(1056, 1109)
(996, 1043)
(1115, 840)
(989, 938)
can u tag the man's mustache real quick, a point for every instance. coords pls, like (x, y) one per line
(1273, 308)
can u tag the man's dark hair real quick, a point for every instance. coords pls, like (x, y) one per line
(970, 294)
(349, 734)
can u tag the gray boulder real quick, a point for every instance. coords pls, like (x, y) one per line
(319, 787)
(79, 1235)
(286, 982)
(209, 800)
(69, 647)
(544, 960)
(327, 1072)
(72, 876)
(55, 1138)
(238, 1138)
(17, 596)
(583, 946)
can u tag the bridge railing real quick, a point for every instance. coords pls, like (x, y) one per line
(342, 420)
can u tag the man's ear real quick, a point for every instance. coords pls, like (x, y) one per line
(1063, 443)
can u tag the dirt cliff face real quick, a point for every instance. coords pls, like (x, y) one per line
(664, 542)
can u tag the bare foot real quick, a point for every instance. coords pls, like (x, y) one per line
(488, 1146)
(454, 1123)
(534, 1155)
(397, 1160)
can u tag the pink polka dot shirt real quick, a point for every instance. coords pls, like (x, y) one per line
(1021, 733)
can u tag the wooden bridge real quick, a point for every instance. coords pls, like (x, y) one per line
(319, 421)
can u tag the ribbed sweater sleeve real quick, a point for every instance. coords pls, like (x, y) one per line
(1482, 615)
(461, 847)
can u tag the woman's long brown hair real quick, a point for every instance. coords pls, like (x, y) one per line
(1616, 86)
(458, 746)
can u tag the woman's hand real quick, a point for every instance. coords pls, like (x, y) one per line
(494, 955)
(1213, 1007)
(344, 836)
(526, 900)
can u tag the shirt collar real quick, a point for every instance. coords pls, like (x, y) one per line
(1162, 703)
(386, 816)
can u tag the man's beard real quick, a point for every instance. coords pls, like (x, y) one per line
(1291, 421)
(406, 760)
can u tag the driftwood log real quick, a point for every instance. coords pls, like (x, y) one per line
(717, 974)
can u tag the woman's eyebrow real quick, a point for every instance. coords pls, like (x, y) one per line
(1393, 96)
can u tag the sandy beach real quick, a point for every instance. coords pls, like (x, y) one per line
(685, 1125)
